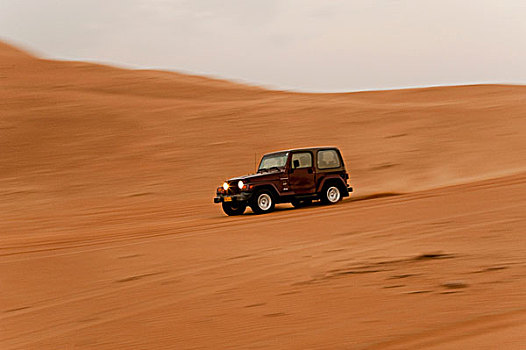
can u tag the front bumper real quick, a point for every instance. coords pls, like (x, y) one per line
(241, 197)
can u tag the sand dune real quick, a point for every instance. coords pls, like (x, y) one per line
(109, 238)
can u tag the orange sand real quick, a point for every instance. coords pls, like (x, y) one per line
(109, 238)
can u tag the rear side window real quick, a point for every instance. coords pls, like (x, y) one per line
(305, 159)
(328, 159)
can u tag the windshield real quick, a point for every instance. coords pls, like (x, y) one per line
(277, 160)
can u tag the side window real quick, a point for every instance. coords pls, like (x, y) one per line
(328, 159)
(304, 159)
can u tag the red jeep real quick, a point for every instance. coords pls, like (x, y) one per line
(296, 176)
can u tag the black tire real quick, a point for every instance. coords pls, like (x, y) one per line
(262, 202)
(330, 194)
(234, 208)
(300, 203)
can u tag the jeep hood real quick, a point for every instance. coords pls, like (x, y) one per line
(257, 177)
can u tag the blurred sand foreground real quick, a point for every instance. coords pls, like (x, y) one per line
(109, 238)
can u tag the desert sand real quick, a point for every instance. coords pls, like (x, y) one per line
(109, 238)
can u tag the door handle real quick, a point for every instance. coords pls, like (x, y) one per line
(309, 170)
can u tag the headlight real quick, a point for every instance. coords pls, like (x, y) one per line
(240, 184)
(225, 186)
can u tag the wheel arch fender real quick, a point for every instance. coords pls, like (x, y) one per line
(337, 180)
(268, 186)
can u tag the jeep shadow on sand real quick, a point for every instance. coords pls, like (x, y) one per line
(296, 176)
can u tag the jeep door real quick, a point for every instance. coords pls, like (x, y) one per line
(301, 173)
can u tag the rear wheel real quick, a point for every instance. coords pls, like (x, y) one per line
(234, 208)
(330, 194)
(262, 202)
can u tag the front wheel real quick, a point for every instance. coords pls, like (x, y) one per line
(262, 202)
(234, 208)
(330, 194)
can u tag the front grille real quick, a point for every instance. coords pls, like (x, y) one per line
(233, 189)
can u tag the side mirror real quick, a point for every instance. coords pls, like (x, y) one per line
(295, 164)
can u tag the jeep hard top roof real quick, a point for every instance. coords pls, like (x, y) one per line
(317, 148)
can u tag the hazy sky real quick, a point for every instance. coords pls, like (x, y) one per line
(309, 45)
